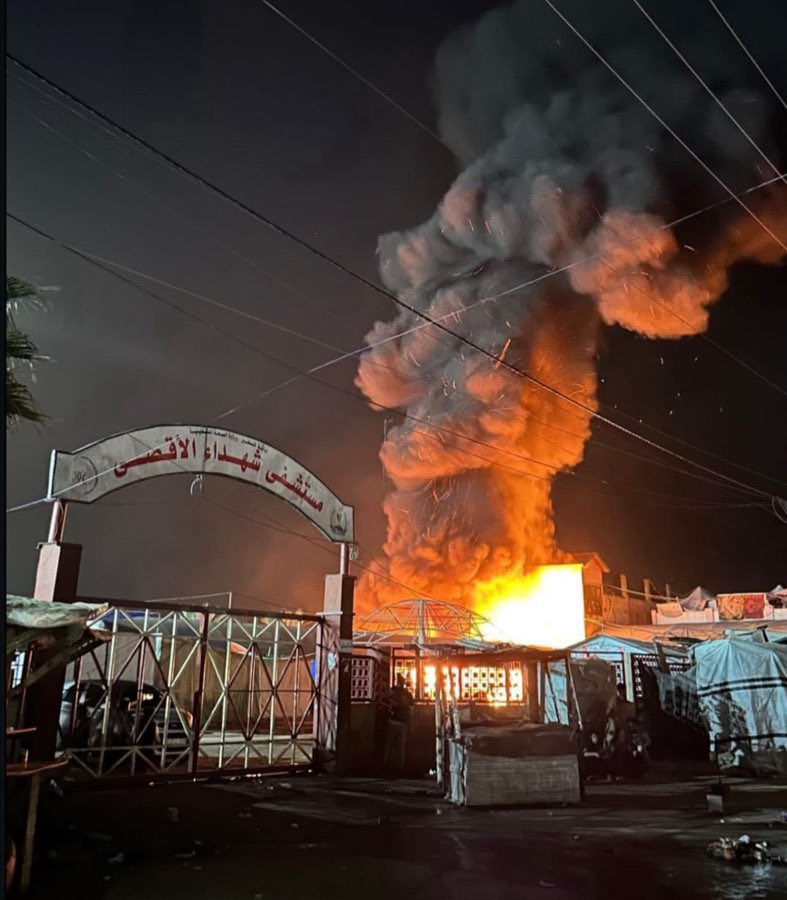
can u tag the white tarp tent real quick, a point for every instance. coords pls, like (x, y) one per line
(698, 599)
(742, 695)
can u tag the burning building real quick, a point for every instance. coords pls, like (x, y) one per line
(565, 174)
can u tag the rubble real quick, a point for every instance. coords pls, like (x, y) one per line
(744, 850)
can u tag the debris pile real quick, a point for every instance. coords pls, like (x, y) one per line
(744, 850)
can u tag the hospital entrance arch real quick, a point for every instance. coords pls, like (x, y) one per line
(90, 473)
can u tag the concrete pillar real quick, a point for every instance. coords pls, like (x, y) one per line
(58, 572)
(56, 580)
(335, 672)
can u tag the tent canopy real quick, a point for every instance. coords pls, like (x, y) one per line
(742, 694)
(697, 599)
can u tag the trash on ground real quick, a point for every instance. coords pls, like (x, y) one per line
(186, 854)
(116, 860)
(744, 850)
(56, 789)
(173, 814)
(715, 803)
(97, 836)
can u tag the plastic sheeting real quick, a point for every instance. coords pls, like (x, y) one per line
(697, 600)
(25, 612)
(596, 690)
(742, 695)
(678, 695)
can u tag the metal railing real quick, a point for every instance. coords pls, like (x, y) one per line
(192, 691)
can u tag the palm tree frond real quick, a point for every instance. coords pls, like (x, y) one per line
(20, 404)
(20, 350)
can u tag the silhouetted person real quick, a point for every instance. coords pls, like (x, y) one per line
(400, 703)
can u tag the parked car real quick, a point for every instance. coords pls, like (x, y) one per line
(137, 717)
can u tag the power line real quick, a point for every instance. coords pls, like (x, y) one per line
(383, 292)
(440, 429)
(749, 368)
(274, 325)
(602, 59)
(743, 47)
(275, 525)
(704, 84)
(501, 294)
(150, 196)
(356, 74)
(428, 320)
(94, 261)
(91, 259)
(779, 509)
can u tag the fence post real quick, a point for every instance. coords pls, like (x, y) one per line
(198, 694)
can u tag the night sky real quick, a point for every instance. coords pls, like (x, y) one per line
(237, 95)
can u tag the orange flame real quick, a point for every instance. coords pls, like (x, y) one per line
(545, 607)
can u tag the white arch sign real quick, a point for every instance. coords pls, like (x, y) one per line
(96, 470)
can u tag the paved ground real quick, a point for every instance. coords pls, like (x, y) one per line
(317, 837)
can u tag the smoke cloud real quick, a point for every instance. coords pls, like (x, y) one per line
(560, 163)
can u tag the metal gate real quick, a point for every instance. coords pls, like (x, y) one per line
(191, 691)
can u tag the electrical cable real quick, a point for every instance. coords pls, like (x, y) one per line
(704, 84)
(153, 197)
(372, 87)
(440, 429)
(277, 526)
(743, 47)
(383, 292)
(664, 124)
(707, 339)
(100, 263)
(428, 320)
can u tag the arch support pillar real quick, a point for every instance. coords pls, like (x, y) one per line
(57, 577)
(334, 666)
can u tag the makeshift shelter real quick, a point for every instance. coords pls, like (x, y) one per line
(42, 637)
(626, 650)
(59, 628)
(742, 695)
(594, 691)
(777, 598)
(507, 754)
(697, 599)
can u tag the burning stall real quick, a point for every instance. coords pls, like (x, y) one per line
(508, 748)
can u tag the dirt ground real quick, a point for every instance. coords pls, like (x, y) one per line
(310, 836)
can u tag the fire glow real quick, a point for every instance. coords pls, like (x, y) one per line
(545, 607)
(497, 685)
(545, 192)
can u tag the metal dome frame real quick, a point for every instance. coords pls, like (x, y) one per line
(422, 622)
